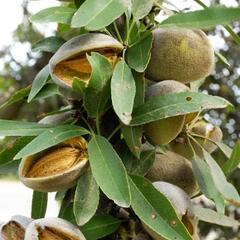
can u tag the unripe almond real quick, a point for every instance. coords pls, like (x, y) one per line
(173, 168)
(163, 131)
(184, 55)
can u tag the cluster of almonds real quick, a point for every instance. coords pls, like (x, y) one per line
(23, 228)
(178, 57)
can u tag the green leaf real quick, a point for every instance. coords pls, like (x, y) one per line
(51, 138)
(18, 96)
(139, 166)
(109, 171)
(9, 168)
(224, 187)
(138, 55)
(176, 104)
(206, 183)
(234, 160)
(141, 8)
(208, 215)
(79, 86)
(39, 204)
(222, 59)
(54, 14)
(224, 148)
(147, 202)
(20, 128)
(207, 18)
(66, 212)
(48, 90)
(38, 82)
(86, 198)
(100, 226)
(133, 135)
(123, 90)
(97, 92)
(8, 153)
(50, 44)
(95, 15)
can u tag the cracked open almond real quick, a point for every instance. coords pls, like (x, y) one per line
(56, 168)
(70, 60)
(53, 229)
(15, 228)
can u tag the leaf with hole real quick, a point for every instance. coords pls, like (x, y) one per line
(176, 104)
(148, 201)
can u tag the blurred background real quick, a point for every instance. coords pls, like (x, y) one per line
(19, 65)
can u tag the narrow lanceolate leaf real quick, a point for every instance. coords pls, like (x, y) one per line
(50, 138)
(54, 14)
(39, 204)
(38, 82)
(155, 210)
(140, 8)
(10, 168)
(47, 91)
(86, 198)
(8, 153)
(176, 104)
(206, 183)
(206, 18)
(94, 15)
(224, 148)
(123, 90)
(208, 215)
(234, 160)
(97, 92)
(133, 135)
(50, 44)
(18, 96)
(79, 86)
(139, 166)
(109, 171)
(19, 128)
(224, 187)
(100, 226)
(139, 54)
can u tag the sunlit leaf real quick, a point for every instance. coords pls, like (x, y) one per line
(109, 171)
(94, 15)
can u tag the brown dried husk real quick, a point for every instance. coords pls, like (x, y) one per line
(13, 231)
